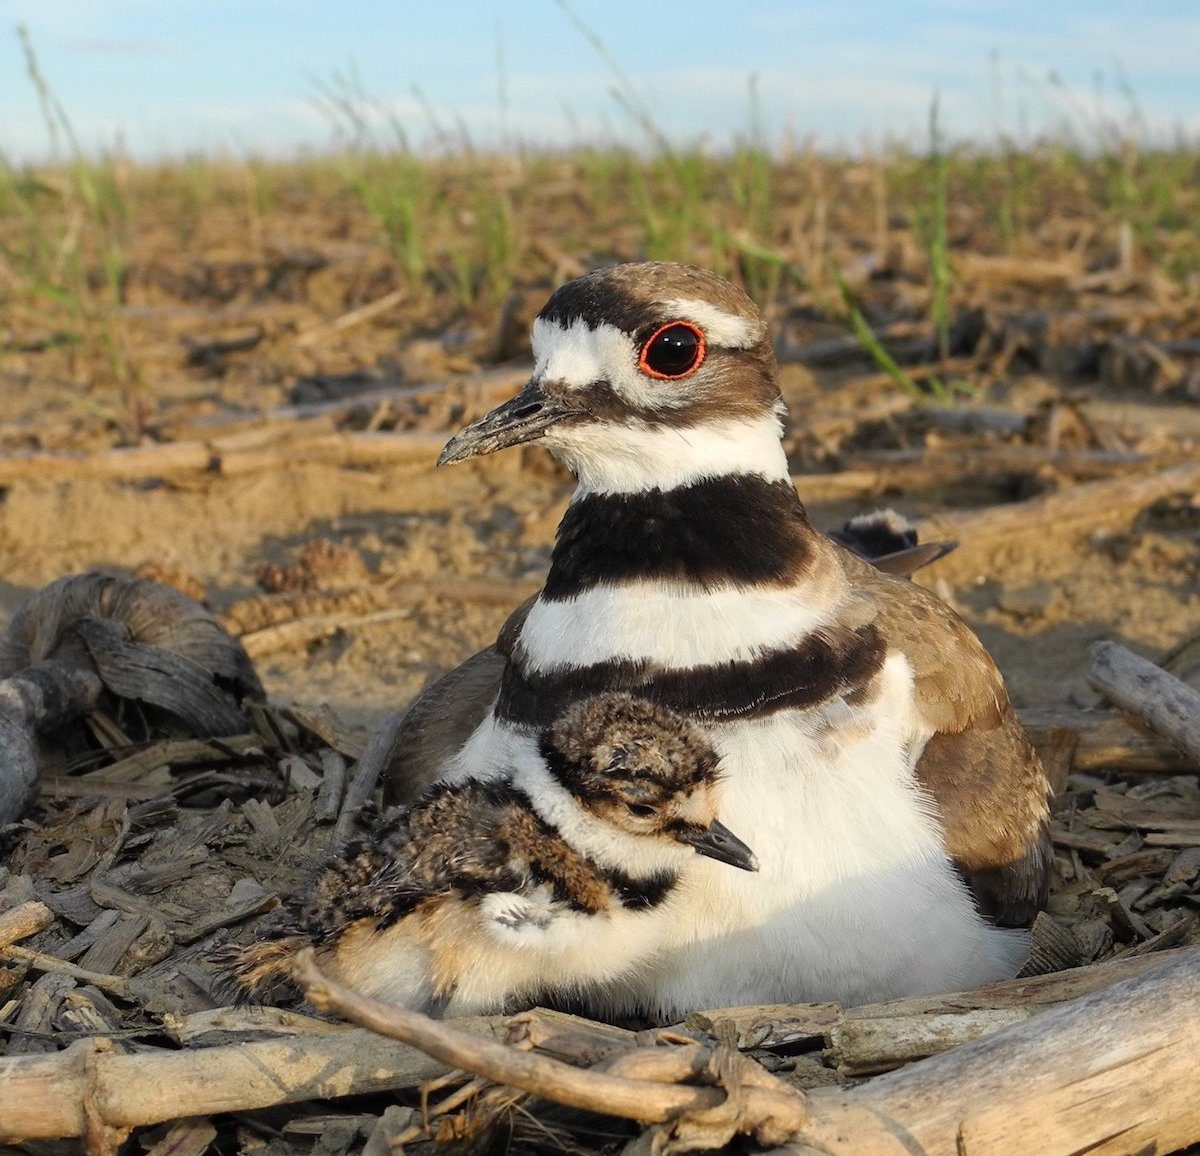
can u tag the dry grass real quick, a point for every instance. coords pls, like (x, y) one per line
(100, 260)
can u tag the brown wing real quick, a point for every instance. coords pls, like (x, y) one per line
(979, 766)
(445, 713)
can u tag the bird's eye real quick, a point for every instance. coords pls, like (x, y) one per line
(641, 809)
(672, 351)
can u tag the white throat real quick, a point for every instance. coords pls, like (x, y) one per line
(630, 457)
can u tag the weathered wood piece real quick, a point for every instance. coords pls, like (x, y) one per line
(881, 1036)
(91, 1091)
(379, 753)
(36, 1017)
(1112, 1072)
(33, 701)
(186, 1138)
(863, 1046)
(1159, 699)
(1107, 740)
(87, 634)
(23, 921)
(769, 1110)
(1081, 507)
(333, 783)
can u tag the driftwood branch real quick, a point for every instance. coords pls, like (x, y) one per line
(1082, 507)
(770, 1111)
(882, 1036)
(91, 1090)
(1112, 1072)
(1159, 699)
(1104, 740)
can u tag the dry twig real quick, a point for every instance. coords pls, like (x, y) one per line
(1081, 507)
(770, 1112)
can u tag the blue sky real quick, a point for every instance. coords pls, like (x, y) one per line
(171, 76)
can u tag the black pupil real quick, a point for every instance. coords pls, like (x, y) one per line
(673, 351)
(641, 809)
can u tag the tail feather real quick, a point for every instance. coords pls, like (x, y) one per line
(256, 970)
(355, 888)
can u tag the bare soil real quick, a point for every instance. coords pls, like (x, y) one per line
(234, 307)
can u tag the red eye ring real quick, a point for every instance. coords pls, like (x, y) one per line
(648, 348)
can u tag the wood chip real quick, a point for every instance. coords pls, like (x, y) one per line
(111, 945)
(190, 1137)
(23, 921)
(37, 1013)
(333, 784)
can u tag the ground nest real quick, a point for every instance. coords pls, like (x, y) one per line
(151, 845)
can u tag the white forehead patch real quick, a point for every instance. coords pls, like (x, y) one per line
(720, 328)
(580, 354)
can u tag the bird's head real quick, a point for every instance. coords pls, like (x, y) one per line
(648, 374)
(645, 770)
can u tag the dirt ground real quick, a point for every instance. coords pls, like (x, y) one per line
(431, 543)
(241, 318)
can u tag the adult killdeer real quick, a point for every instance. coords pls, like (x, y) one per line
(558, 881)
(872, 757)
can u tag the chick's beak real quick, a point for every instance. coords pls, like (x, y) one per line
(520, 419)
(716, 841)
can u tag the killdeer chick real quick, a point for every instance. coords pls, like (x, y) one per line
(888, 540)
(871, 755)
(484, 894)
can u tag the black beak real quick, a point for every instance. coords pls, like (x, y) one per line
(718, 842)
(520, 419)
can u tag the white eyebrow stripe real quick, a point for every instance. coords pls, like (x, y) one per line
(720, 328)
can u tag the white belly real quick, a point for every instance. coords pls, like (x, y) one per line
(856, 899)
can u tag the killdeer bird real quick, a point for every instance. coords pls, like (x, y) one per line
(888, 540)
(559, 879)
(871, 754)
